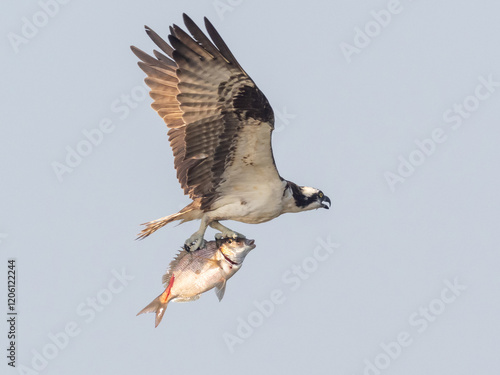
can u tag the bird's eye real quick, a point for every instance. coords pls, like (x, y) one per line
(320, 194)
(230, 241)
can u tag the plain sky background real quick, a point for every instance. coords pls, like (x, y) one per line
(344, 125)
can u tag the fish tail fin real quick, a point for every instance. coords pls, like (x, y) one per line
(157, 307)
(188, 213)
(159, 304)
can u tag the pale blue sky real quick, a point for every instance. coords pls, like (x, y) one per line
(414, 260)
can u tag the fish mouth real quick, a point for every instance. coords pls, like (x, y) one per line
(250, 243)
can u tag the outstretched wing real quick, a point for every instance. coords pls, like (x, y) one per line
(213, 109)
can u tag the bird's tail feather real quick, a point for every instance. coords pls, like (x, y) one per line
(188, 213)
(153, 226)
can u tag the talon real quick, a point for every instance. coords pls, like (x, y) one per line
(194, 243)
(235, 235)
(230, 234)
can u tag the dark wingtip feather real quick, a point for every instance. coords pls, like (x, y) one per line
(158, 40)
(164, 63)
(188, 21)
(141, 54)
(200, 37)
(169, 61)
(186, 18)
(220, 44)
(210, 28)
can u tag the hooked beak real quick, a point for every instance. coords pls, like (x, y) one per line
(327, 200)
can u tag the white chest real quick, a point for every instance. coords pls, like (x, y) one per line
(251, 189)
(251, 202)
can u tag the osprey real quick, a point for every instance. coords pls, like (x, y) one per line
(220, 127)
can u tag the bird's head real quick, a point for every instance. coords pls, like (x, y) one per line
(305, 198)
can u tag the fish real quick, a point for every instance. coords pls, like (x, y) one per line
(192, 273)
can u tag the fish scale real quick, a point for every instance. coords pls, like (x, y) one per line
(192, 273)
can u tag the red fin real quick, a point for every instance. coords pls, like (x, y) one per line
(166, 293)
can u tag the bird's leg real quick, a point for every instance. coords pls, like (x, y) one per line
(196, 241)
(225, 232)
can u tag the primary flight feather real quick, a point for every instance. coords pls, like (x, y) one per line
(220, 127)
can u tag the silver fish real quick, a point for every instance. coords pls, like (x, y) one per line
(192, 273)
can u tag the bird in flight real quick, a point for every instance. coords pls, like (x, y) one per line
(220, 126)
